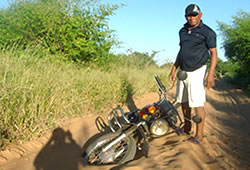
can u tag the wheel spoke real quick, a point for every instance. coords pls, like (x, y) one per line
(118, 154)
(114, 154)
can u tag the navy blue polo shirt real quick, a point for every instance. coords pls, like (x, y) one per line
(195, 45)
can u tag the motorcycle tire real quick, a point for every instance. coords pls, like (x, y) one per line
(94, 155)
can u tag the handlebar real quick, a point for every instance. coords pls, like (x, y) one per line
(159, 83)
(181, 75)
(161, 87)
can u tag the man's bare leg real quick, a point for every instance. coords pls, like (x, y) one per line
(186, 110)
(200, 111)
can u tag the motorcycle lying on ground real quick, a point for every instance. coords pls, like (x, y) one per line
(132, 131)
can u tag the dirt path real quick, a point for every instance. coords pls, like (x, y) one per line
(226, 145)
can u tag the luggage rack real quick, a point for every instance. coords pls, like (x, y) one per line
(116, 122)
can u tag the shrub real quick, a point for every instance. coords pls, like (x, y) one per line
(77, 29)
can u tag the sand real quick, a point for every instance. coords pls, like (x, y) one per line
(226, 144)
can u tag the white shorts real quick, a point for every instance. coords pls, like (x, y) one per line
(192, 90)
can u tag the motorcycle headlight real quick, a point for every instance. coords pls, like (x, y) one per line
(159, 127)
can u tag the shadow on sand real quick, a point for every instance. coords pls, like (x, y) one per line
(61, 152)
(235, 129)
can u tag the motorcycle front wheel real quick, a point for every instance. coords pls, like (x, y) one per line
(121, 152)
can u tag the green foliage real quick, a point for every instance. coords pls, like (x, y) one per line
(233, 76)
(230, 68)
(77, 29)
(237, 37)
(38, 89)
(220, 67)
(126, 89)
(237, 46)
(219, 71)
(136, 59)
(38, 93)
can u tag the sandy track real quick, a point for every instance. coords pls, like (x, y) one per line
(226, 145)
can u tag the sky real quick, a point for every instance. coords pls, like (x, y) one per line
(153, 25)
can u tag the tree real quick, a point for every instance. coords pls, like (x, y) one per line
(237, 47)
(78, 29)
(236, 40)
(140, 59)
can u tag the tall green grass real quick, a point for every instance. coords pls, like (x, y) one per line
(36, 94)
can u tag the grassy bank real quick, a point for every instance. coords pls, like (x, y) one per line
(36, 94)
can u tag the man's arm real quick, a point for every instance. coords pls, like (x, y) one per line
(213, 62)
(173, 70)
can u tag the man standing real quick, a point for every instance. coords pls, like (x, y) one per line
(197, 44)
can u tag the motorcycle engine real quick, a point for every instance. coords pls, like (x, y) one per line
(159, 127)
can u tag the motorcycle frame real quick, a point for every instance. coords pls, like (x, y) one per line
(162, 97)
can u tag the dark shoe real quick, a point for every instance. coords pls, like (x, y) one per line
(193, 140)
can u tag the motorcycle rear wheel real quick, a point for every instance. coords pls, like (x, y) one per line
(121, 152)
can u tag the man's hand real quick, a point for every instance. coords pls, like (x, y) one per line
(173, 70)
(210, 81)
(172, 77)
(210, 78)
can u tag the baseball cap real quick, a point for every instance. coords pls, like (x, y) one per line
(192, 10)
